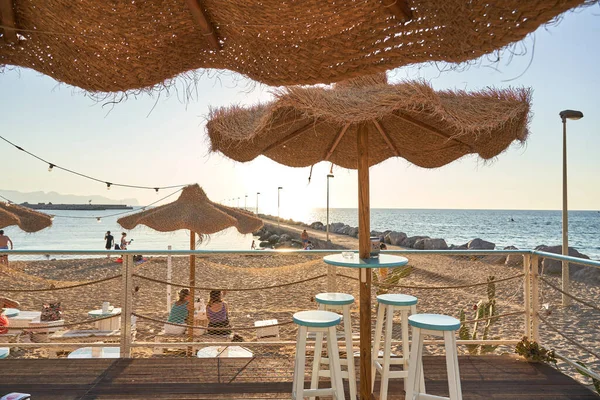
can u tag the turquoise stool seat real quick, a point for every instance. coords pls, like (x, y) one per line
(396, 299)
(4, 352)
(317, 319)
(434, 322)
(334, 299)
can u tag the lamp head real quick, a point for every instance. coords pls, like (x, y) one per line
(330, 175)
(280, 187)
(570, 114)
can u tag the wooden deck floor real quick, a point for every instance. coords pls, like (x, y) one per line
(483, 377)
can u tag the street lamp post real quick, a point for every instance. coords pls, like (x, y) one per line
(565, 115)
(328, 176)
(245, 202)
(257, 193)
(238, 203)
(278, 203)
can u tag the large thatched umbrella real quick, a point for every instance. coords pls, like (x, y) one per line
(195, 212)
(360, 124)
(113, 46)
(25, 218)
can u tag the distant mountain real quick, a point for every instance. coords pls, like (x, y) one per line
(57, 198)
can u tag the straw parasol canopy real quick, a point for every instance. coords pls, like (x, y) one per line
(194, 211)
(115, 46)
(25, 218)
(363, 122)
(304, 126)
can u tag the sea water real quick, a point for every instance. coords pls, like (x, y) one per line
(524, 229)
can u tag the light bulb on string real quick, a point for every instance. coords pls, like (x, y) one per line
(98, 219)
(108, 185)
(50, 166)
(52, 218)
(156, 189)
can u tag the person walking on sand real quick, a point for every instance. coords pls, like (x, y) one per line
(4, 241)
(304, 238)
(110, 240)
(124, 242)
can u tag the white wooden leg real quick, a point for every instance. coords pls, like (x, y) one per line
(298, 385)
(458, 385)
(413, 310)
(314, 381)
(451, 364)
(387, 352)
(334, 363)
(413, 370)
(349, 352)
(376, 345)
(405, 344)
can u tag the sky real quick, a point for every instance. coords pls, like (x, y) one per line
(160, 140)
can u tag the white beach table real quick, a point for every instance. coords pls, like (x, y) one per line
(96, 352)
(109, 324)
(227, 352)
(10, 312)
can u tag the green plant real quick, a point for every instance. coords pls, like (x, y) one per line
(595, 381)
(391, 279)
(483, 309)
(533, 352)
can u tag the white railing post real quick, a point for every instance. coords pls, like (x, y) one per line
(169, 269)
(527, 293)
(331, 279)
(535, 299)
(127, 271)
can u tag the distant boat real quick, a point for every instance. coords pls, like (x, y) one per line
(511, 220)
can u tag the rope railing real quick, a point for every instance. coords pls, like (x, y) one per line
(437, 287)
(87, 321)
(231, 289)
(568, 339)
(230, 328)
(470, 321)
(568, 294)
(51, 289)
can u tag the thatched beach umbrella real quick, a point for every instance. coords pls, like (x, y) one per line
(25, 218)
(114, 46)
(363, 122)
(195, 212)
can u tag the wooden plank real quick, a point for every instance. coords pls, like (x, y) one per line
(364, 250)
(203, 22)
(386, 138)
(292, 135)
(7, 20)
(431, 129)
(399, 8)
(336, 142)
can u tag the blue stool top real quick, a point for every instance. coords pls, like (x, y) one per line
(317, 318)
(335, 299)
(4, 352)
(434, 322)
(396, 299)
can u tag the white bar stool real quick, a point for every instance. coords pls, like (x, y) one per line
(317, 321)
(436, 325)
(343, 302)
(388, 304)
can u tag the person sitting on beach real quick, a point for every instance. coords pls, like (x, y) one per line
(216, 311)
(178, 314)
(308, 246)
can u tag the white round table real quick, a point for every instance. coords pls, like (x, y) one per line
(102, 352)
(10, 312)
(224, 352)
(384, 261)
(109, 324)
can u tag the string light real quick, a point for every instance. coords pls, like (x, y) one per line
(98, 219)
(51, 167)
(108, 185)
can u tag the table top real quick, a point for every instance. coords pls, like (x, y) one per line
(384, 261)
(105, 352)
(224, 352)
(99, 313)
(10, 312)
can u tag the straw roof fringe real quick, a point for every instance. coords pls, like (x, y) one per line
(193, 211)
(120, 46)
(305, 125)
(25, 218)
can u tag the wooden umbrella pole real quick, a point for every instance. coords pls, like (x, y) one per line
(190, 319)
(364, 247)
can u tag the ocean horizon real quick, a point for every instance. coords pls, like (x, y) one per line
(525, 229)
